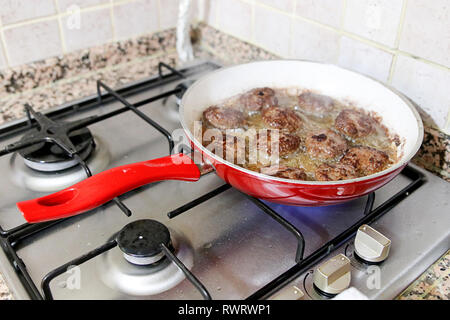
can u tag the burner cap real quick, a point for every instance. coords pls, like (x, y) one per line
(47, 156)
(140, 241)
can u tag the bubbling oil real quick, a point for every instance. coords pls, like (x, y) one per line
(381, 139)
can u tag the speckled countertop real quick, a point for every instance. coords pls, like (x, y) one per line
(58, 80)
(433, 284)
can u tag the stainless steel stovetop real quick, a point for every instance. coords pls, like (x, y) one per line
(234, 248)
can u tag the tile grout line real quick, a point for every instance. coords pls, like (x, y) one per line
(217, 20)
(397, 42)
(341, 29)
(60, 28)
(291, 30)
(401, 24)
(113, 25)
(158, 5)
(252, 23)
(446, 128)
(392, 68)
(344, 14)
(4, 48)
(216, 15)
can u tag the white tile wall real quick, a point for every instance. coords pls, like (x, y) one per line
(95, 28)
(169, 13)
(272, 30)
(25, 43)
(135, 18)
(365, 59)
(325, 11)
(426, 32)
(66, 4)
(285, 5)
(426, 84)
(377, 20)
(312, 42)
(12, 11)
(33, 30)
(235, 18)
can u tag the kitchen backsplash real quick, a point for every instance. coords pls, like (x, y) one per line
(405, 43)
(33, 30)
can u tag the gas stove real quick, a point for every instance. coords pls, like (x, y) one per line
(202, 240)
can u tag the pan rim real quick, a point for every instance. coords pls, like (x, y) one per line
(258, 175)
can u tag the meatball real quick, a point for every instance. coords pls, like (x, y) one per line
(335, 172)
(354, 123)
(258, 98)
(285, 172)
(325, 144)
(287, 143)
(224, 118)
(365, 160)
(281, 118)
(315, 104)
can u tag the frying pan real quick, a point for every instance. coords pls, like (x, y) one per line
(396, 111)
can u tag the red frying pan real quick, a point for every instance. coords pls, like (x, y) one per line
(396, 111)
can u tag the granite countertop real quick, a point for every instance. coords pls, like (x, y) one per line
(433, 284)
(5, 294)
(59, 80)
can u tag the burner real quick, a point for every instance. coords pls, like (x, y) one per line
(49, 157)
(144, 278)
(140, 241)
(46, 181)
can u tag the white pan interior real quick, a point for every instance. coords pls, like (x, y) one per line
(397, 113)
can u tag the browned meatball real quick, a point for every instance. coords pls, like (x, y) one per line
(325, 144)
(281, 118)
(288, 143)
(366, 160)
(354, 123)
(224, 118)
(335, 172)
(285, 172)
(258, 98)
(315, 104)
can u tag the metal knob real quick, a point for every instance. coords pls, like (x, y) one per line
(333, 276)
(370, 245)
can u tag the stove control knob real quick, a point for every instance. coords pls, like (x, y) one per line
(370, 245)
(333, 276)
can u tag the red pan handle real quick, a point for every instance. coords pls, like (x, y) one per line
(105, 186)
